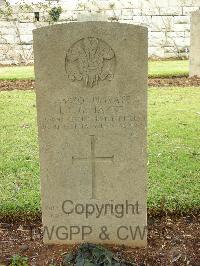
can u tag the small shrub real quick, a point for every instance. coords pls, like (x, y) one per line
(93, 255)
(18, 260)
(54, 13)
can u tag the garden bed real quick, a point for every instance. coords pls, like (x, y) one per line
(8, 85)
(174, 82)
(171, 241)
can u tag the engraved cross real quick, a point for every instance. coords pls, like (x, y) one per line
(93, 159)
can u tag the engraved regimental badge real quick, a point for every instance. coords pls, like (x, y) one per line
(90, 60)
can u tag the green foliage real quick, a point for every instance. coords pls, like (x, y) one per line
(18, 260)
(24, 7)
(54, 13)
(6, 10)
(93, 255)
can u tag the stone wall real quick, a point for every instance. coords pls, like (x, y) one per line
(168, 22)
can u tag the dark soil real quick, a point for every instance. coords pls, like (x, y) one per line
(171, 241)
(174, 82)
(8, 85)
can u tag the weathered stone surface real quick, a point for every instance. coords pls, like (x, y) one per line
(91, 16)
(91, 99)
(189, 9)
(171, 11)
(195, 44)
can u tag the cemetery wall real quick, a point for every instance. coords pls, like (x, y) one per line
(168, 22)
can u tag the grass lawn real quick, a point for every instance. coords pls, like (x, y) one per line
(168, 68)
(156, 69)
(174, 150)
(17, 72)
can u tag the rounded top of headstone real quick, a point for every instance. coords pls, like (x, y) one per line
(90, 25)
